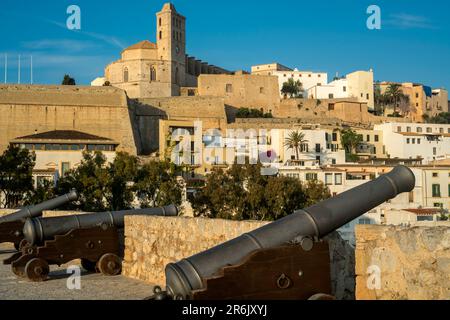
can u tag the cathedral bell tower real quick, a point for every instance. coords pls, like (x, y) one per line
(171, 41)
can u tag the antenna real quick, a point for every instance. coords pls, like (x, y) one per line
(18, 70)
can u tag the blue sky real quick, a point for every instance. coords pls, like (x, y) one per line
(329, 36)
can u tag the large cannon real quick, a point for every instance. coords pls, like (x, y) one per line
(11, 225)
(93, 238)
(258, 260)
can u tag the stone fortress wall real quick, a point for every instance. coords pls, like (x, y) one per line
(101, 111)
(403, 263)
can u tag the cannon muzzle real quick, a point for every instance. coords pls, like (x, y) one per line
(37, 230)
(316, 221)
(36, 210)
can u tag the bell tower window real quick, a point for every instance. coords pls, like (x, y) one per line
(125, 75)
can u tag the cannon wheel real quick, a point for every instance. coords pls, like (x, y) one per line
(18, 271)
(322, 296)
(110, 264)
(88, 265)
(37, 270)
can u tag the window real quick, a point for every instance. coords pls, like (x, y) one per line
(318, 147)
(377, 138)
(152, 73)
(160, 22)
(338, 179)
(417, 95)
(311, 176)
(261, 90)
(344, 88)
(362, 95)
(333, 161)
(125, 75)
(367, 96)
(399, 129)
(424, 218)
(418, 141)
(419, 129)
(160, 36)
(328, 179)
(441, 130)
(407, 140)
(330, 96)
(438, 205)
(408, 129)
(413, 141)
(229, 88)
(429, 130)
(436, 190)
(364, 221)
(330, 106)
(435, 174)
(368, 138)
(434, 151)
(411, 197)
(304, 147)
(65, 166)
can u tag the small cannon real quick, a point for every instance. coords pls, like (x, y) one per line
(259, 264)
(11, 225)
(93, 238)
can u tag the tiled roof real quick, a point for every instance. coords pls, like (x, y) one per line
(142, 45)
(424, 212)
(62, 135)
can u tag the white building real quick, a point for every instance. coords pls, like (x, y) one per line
(61, 150)
(308, 79)
(416, 140)
(357, 85)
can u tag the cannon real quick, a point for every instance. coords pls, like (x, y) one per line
(93, 238)
(259, 264)
(11, 225)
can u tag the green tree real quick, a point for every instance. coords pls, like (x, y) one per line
(252, 113)
(292, 88)
(294, 141)
(156, 184)
(395, 96)
(16, 175)
(350, 140)
(45, 191)
(441, 118)
(68, 81)
(91, 180)
(242, 193)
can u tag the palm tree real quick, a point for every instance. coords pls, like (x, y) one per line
(292, 88)
(294, 141)
(394, 94)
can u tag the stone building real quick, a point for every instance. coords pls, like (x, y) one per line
(160, 69)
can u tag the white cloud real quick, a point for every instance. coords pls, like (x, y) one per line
(409, 21)
(59, 44)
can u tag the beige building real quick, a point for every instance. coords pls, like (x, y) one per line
(159, 69)
(422, 100)
(242, 90)
(61, 150)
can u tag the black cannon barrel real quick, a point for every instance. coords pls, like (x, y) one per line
(37, 230)
(36, 210)
(318, 220)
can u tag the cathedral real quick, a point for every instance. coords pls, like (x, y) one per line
(161, 69)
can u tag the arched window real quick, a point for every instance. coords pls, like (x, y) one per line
(125, 74)
(152, 73)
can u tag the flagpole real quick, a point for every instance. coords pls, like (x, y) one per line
(31, 69)
(6, 68)
(18, 71)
